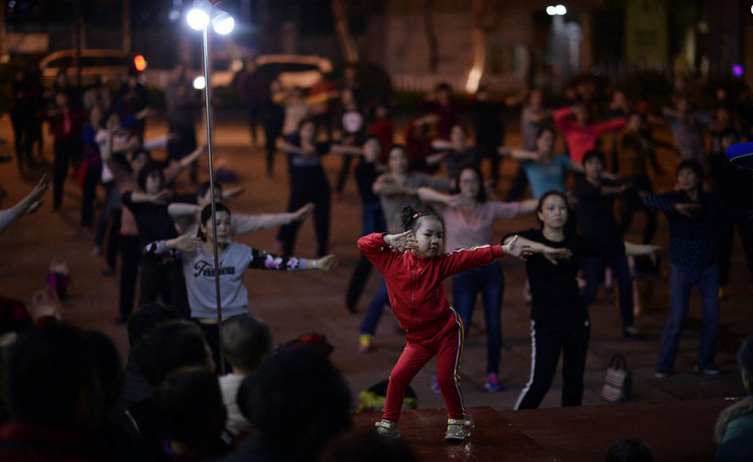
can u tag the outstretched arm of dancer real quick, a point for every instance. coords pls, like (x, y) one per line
(248, 223)
(267, 261)
(137, 197)
(386, 185)
(453, 201)
(25, 206)
(520, 154)
(195, 154)
(550, 253)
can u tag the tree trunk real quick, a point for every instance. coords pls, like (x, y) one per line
(431, 36)
(347, 42)
(4, 55)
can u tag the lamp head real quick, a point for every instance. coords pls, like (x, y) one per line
(198, 16)
(222, 22)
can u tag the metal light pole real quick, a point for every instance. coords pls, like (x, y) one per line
(199, 18)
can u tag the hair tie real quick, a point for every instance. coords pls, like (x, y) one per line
(416, 215)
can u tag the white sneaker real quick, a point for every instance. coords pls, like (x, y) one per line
(458, 429)
(387, 429)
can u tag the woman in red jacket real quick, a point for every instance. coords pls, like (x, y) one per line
(414, 269)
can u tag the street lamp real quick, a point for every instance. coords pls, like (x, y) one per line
(558, 10)
(199, 17)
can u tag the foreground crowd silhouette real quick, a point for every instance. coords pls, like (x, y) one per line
(428, 214)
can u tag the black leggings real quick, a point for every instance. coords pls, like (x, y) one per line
(314, 190)
(130, 255)
(547, 341)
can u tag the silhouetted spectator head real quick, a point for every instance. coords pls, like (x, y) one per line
(745, 362)
(51, 379)
(171, 346)
(246, 341)
(366, 446)
(108, 367)
(190, 411)
(297, 401)
(629, 451)
(146, 317)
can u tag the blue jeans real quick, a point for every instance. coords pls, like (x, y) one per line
(681, 280)
(371, 319)
(489, 281)
(372, 220)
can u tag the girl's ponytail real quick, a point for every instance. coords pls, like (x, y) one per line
(409, 217)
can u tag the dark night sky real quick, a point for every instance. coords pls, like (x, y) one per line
(34, 15)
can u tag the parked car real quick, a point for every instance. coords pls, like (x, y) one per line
(111, 65)
(294, 70)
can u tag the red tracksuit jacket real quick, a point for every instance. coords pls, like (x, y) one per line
(416, 284)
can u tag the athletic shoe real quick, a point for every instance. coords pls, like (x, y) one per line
(435, 385)
(632, 333)
(492, 383)
(387, 429)
(365, 343)
(709, 370)
(458, 429)
(661, 374)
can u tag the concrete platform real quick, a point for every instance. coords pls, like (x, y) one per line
(674, 430)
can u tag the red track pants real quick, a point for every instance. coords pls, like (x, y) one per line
(446, 342)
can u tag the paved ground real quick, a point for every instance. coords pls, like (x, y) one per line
(297, 303)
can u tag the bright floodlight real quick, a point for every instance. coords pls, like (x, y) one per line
(198, 16)
(197, 19)
(551, 11)
(223, 23)
(199, 83)
(560, 10)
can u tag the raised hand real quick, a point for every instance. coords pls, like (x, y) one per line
(326, 263)
(459, 201)
(186, 242)
(161, 197)
(517, 249)
(35, 196)
(402, 242)
(304, 211)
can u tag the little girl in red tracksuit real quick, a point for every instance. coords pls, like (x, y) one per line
(414, 269)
